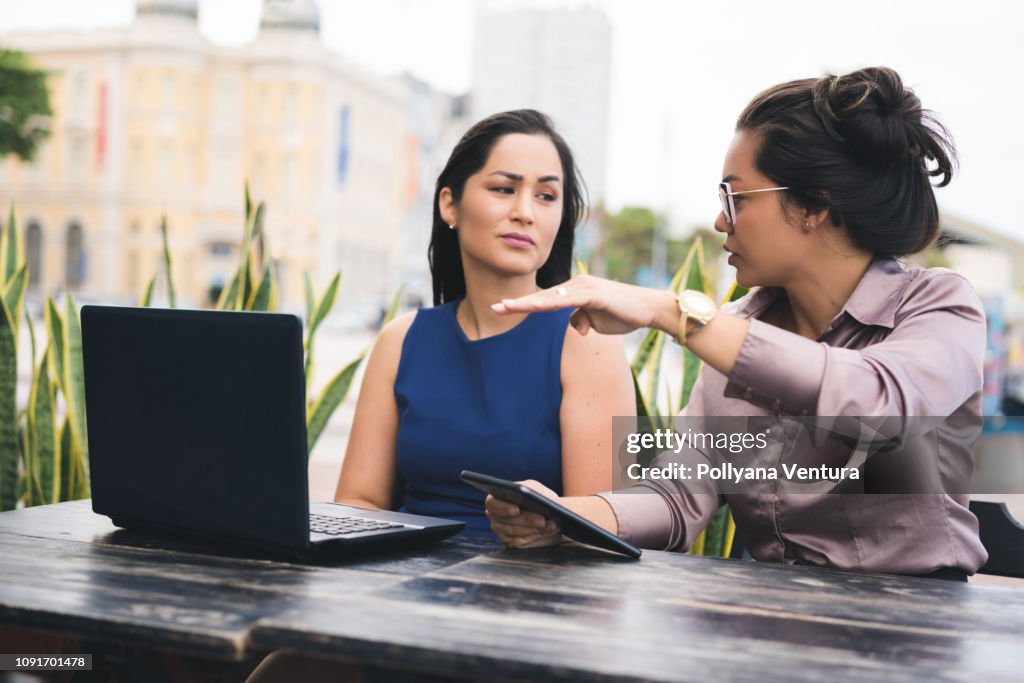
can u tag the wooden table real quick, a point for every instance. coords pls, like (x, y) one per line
(469, 609)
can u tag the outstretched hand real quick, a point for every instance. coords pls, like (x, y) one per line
(603, 305)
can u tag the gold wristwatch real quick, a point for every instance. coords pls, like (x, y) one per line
(697, 307)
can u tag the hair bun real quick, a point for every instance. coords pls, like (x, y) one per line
(881, 121)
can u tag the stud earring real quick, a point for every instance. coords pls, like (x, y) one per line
(451, 226)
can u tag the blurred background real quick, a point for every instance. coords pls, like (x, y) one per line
(339, 114)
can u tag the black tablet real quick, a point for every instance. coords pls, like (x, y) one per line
(575, 527)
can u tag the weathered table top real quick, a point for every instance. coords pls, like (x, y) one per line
(468, 608)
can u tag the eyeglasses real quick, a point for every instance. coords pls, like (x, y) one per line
(726, 194)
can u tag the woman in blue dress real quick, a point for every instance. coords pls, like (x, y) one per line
(458, 386)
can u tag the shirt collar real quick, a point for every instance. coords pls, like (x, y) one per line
(873, 302)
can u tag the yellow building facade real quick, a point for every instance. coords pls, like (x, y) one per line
(153, 120)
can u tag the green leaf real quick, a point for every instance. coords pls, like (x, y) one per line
(29, 490)
(643, 353)
(171, 296)
(146, 300)
(253, 223)
(307, 280)
(263, 296)
(715, 532)
(55, 329)
(698, 543)
(394, 306)
(730, 534)
(31, 338)
(43, 428)
(9, 446)
(310, 312)
(319, 312)
(694, 279)
(12, 249)
(330, 398)
(326, 304)
(691, 369)
(257, 222)
(229, 295)
(74, 380)
(670, 404)
(248, 201)
(643, 409)
(67, 470)
(654, 372)
(248, 280)
(647, 361)
(14, 296)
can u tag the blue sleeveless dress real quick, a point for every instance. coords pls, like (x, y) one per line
(489, 405)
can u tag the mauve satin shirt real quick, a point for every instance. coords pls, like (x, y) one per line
(908, 343)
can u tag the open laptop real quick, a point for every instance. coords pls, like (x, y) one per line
(196, 423)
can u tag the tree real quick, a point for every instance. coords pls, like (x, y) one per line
(677, 248)
(629, 236)
(24, 106)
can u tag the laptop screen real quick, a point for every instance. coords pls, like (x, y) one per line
(196, 421)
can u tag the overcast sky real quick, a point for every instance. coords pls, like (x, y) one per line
(682, 71)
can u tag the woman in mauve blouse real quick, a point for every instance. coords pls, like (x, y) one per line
(826, 183)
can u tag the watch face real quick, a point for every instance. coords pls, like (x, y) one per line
(698, 304)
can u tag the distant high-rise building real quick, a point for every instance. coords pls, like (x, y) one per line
(556, 60)
(436, 122)
(153, 119)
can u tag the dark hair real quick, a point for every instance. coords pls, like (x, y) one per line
(861, 146)
(468, 157)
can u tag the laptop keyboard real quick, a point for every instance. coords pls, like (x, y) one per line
(340, 525)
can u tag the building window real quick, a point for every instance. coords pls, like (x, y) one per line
(261, 99)
(290, 107)
(136, 164)
(289, 179)
(80, 94)
(222, 249)
(167, 94)
(34, 254)
(74, 257)
(78, 157)
(166, 164)
(225, 98)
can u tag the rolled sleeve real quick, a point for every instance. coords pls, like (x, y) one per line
(778, 370)
(644, 517)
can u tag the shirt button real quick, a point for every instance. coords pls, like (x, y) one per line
(748, 394)
(776, 406)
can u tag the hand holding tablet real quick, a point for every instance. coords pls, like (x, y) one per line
(572, 525)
